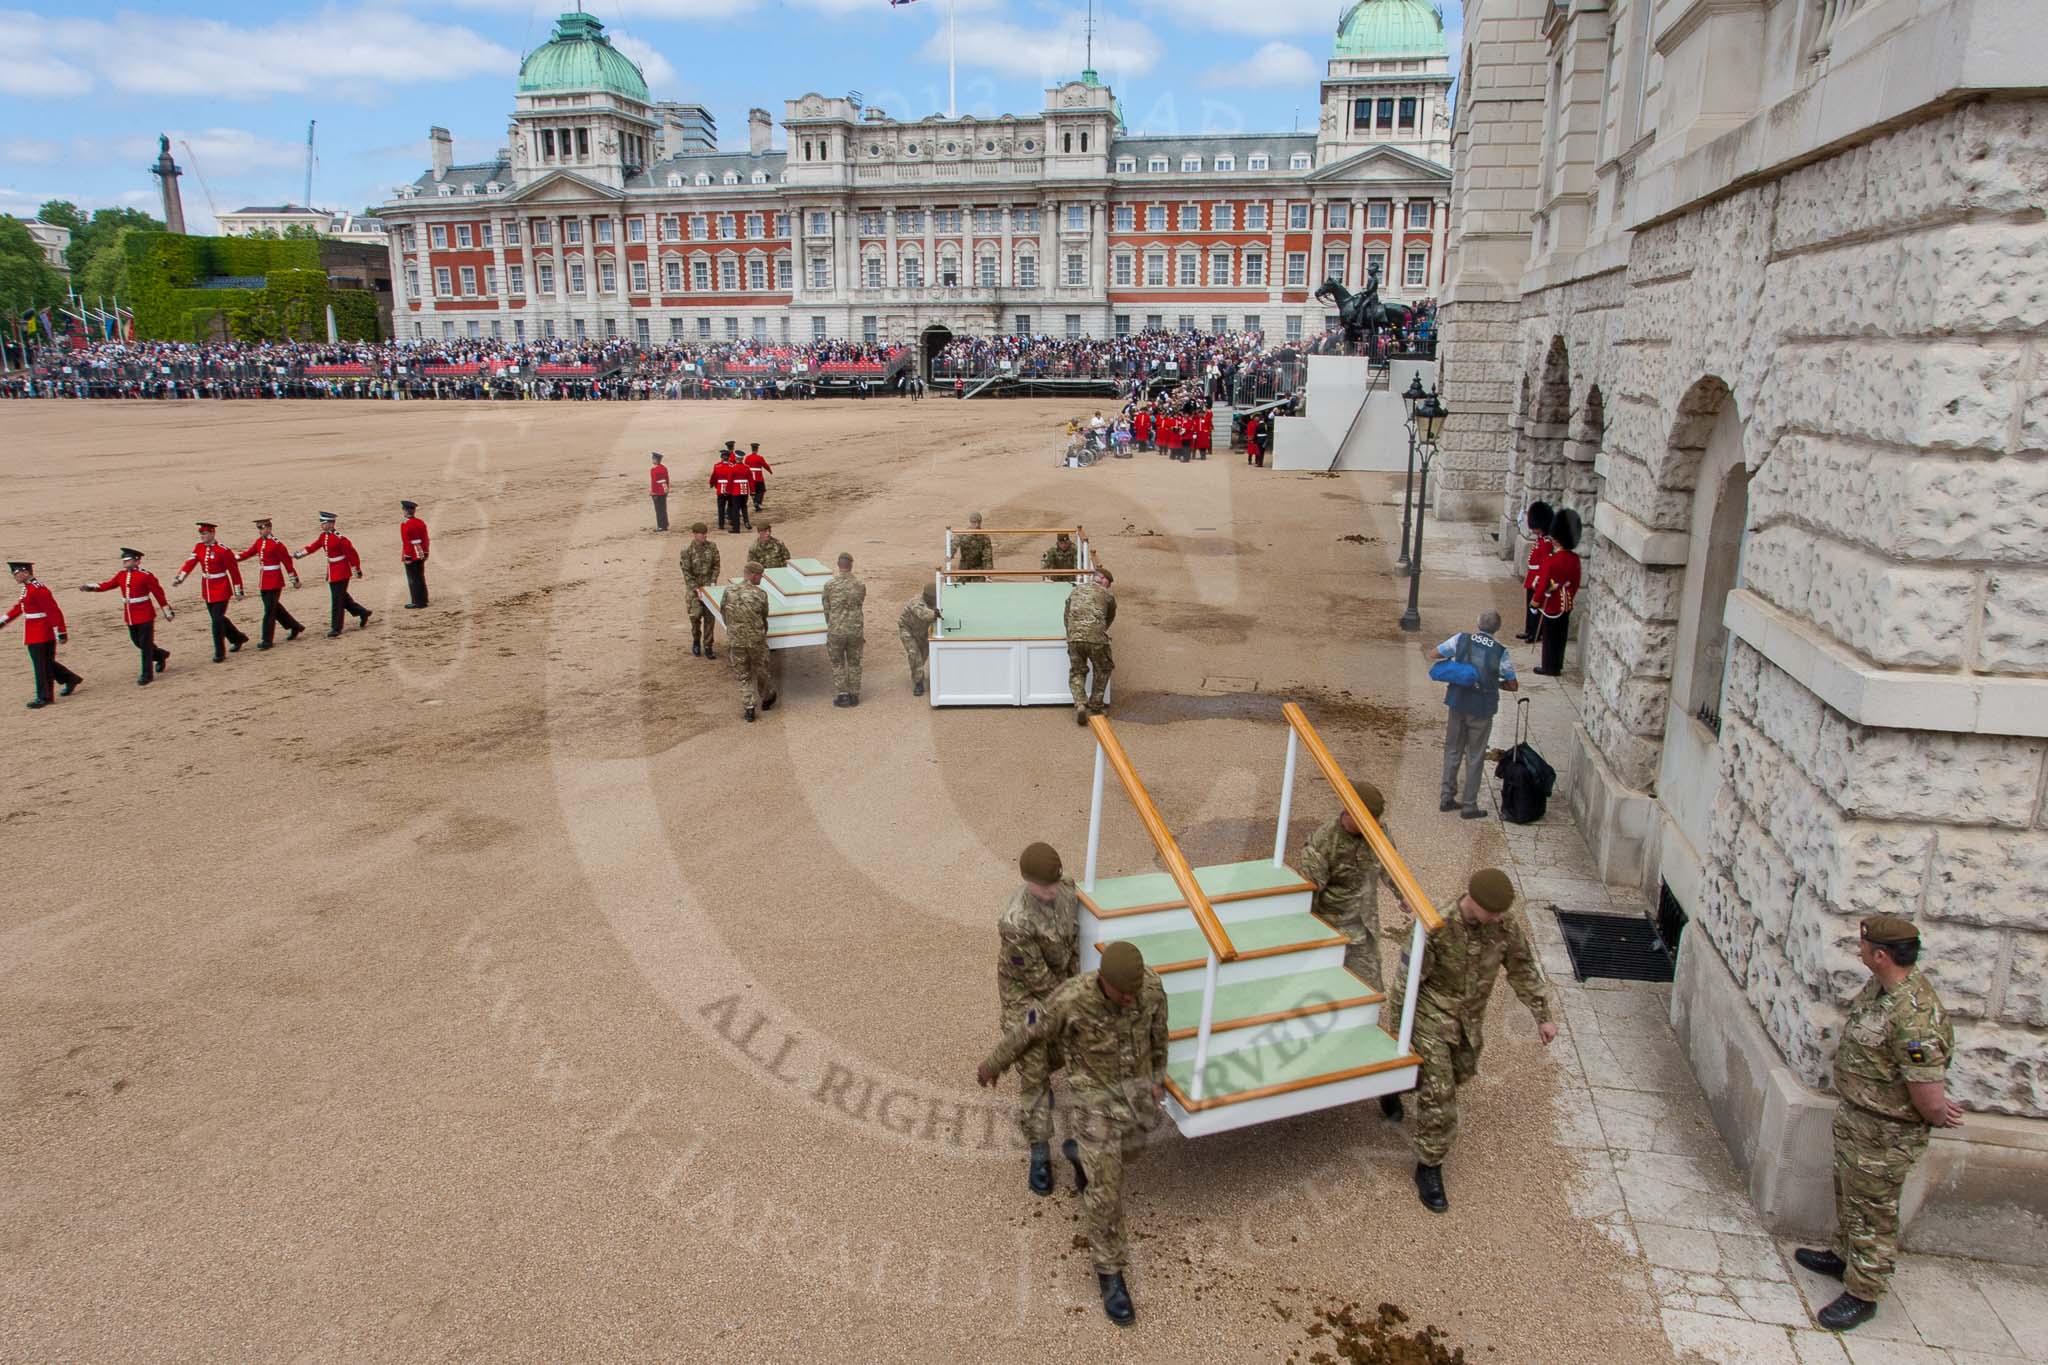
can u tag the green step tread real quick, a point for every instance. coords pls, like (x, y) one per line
(810, 567)
(1222, 879)
(1274, 931)
(1004, 610)
(1256, 1068)
(1265, 995)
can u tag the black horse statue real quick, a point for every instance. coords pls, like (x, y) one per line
(1363, 315)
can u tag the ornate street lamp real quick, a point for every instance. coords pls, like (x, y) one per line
(1429, 426)
(1412, 395)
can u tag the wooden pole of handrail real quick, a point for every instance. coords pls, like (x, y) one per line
(1016, 531)
(1016, 573)
(1396, 867)
(1162, 840)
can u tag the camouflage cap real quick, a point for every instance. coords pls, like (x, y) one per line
(1492, 889)
(1123, 966)
(1039, 863)
(1890, 929)
(699, 527)
(1370, 795)
(931, 595)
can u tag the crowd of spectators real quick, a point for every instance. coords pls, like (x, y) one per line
(547, 368)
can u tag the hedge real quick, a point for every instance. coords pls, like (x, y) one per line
(163, 269)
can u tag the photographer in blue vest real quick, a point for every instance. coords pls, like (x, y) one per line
(1476, 669)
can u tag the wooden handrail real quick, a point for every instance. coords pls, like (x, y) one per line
(1011, 573)
(1162, 840)
(1014, 530)
(1405, 885)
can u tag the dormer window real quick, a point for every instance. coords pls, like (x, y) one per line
(492, 187)
(1226, 163)
(1255, 162)
(447, 191)
(1298, 162)
(1156, 165)
(1126, 165)
(675, 182)
(468, 188)
(703, 178)
(1189, 164)
(729, 178)
(760, 177)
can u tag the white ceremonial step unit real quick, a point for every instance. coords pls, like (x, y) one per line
(796, 609)
(1264, 1021)
(1001, 637)
(1333, 432)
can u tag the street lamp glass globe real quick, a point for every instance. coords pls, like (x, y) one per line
(1429, 419)
(1413, 394)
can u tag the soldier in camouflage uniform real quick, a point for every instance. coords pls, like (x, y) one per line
(914, 628)
(845, 631)
(746, 640)
(1347, 879)
(974, 550)
(699, 561)
(1480, 937)
(1091, 611)
(766, 550)
(1040, 932)
(1064, 554)
(1110, 1026)
(1891, 1071)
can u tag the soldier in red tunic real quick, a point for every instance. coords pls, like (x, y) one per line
(1541, 547)
(412, 553)
(343, 563)
(141, 595)
(657, 488)
(1556, 589)
(1141, 429)
(722, 478)
(1205, 432)
(273, 566)
(42, 630)
(219, 574)
(758, 470)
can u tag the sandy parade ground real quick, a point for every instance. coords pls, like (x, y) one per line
(478, 985)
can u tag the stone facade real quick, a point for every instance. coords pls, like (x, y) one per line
(1779, 341)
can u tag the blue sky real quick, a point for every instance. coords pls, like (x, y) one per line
(85, 86)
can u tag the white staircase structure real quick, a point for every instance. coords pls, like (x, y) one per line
(1264, 1021)
(796, 606)
(1001, 636)
(1348, 423)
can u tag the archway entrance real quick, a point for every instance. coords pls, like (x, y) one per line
(929, 345)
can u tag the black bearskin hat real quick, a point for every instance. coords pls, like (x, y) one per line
(1539, 516)
(1564, 529)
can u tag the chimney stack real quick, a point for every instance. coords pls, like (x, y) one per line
(440, 151)
(760, 131)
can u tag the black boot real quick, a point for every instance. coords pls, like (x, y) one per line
(1845, 1312)
(1041, 1168)
(917, 689)
(1429, 1183)
(839, 700)
(1116, 1300)
(750, 715)
(853, 699)
(1071, 1150)
(696, 649)
(1821, 1262)
(1390, 1108)
(710, 653)
(768, 702)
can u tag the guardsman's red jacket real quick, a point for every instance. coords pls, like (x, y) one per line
(657, 480)
(758, 468)
(342, 559)
(724, 476)
(42, 620)
(412, 540)
(1558, 585)
(219, 572)
(275, 559)
(1539, 555)
(137, 588)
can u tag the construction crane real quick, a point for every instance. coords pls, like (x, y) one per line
(309, 162)
(193, 158)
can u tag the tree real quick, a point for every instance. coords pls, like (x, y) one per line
(87, 239)
(63, 213)
(104, 275)
(25, 281)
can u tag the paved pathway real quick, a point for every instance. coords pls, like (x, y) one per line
(1654, 1173)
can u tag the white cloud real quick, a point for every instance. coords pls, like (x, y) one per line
(1122, 48)
(1265, 18)
(350, 52)
(660, 75)
(1275, 64)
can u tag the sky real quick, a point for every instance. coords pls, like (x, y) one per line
(86, 86)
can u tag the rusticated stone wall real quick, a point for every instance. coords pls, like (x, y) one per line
(1879, 322)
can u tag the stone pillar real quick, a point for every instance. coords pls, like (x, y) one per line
(1355, 260)
(1395, 285)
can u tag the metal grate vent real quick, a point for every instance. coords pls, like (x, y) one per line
(1619, 947)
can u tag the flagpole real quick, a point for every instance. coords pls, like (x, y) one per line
(952, 100)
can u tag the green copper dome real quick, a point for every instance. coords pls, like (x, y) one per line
(1391, 28)
(580, 57)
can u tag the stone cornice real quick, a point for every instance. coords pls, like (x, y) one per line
(1893, 699)
(1643, 544)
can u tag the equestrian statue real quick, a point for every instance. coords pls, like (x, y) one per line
(1363, 315)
